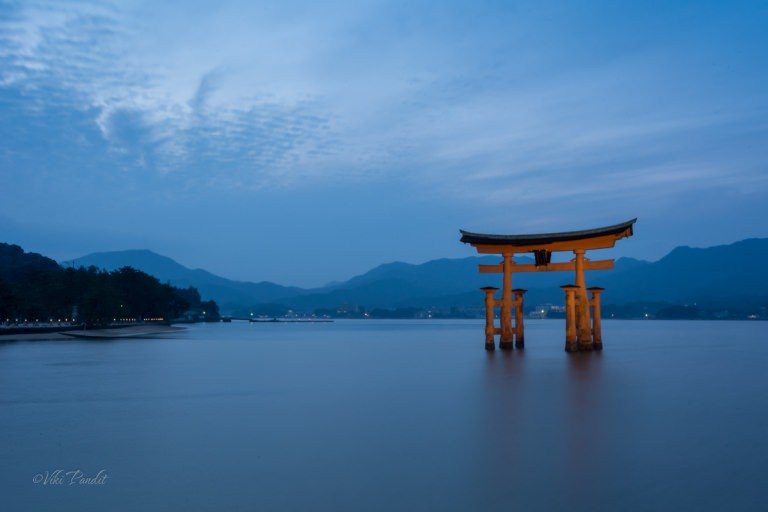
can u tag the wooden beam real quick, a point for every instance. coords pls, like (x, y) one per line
(567, 266)
(552, 267)
(600, 242)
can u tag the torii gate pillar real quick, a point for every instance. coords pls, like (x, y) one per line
(597, 329)
(490, 330)
(519, 327)
(507, 333)
(571, 340)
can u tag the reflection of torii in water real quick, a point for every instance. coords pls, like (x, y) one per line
(582, 329)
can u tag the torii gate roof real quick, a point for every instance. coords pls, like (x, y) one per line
(543, 240)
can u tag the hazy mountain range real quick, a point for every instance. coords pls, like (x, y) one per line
(715, 276)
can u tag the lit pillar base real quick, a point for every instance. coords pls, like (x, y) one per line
(490, 330)
(519, 330)
(585, 347)
(506, 345)
(597, 329)
(571, 339)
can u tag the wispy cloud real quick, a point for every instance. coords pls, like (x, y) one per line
(250, 96)
(85, 54)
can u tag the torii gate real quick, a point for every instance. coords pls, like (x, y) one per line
(581, 331)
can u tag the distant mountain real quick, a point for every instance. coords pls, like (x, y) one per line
(623, 264)
(715, 275)
(438, 283)
(227, 293)
(436, 276)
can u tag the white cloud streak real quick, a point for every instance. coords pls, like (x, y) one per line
(244, 96)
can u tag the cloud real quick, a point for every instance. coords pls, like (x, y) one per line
(468, 103)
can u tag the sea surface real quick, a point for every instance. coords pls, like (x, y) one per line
(388, 416)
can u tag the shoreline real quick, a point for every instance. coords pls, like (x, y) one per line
(126, 331)
(43, 336)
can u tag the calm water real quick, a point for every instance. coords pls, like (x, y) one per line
(390, 415)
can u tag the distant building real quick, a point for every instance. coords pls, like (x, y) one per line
(347, 309)
(547, 311)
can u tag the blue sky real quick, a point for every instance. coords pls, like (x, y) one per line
(303, 142)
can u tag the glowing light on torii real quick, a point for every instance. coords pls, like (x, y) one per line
(583, 328)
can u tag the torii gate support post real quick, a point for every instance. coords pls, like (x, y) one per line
(507, 334)
(597, 332)
(582, 304)
(490, 330)
(571, 343)
(519, 327)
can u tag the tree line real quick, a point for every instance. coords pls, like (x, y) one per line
(33, 287)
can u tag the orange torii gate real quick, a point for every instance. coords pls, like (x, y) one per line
(582, 330)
